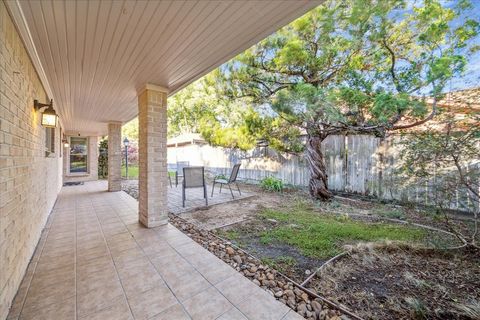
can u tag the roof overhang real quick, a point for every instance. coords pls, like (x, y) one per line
(93, 56)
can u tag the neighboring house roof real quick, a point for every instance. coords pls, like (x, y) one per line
(186, 139)
(460, 104)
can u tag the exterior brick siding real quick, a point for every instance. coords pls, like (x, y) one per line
(29, 181)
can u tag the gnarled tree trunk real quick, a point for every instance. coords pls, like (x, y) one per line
(318, 185)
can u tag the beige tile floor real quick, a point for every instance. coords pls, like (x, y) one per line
(94, 261)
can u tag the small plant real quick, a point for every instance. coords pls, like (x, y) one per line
(393, 214)
(281, 263)
(418, 309)
(470, 309)
(343, 217)
(410, 277)
(231, 234)
(221, 176)
(272, 184)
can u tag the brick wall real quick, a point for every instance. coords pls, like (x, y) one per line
(29, 181)
(92, 159)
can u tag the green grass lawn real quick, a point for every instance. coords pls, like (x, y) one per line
(132, 171)
(322, 236)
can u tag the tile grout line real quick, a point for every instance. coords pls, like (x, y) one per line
(239, 273)
(36, 262)
(186, 260)
(149, 260)
(183, 257)
(213, 285)
(111, 257)
(156, 233)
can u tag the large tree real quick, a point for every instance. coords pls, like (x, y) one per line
(354, 66)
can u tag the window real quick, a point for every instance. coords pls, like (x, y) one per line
(78, 155)
(49, 141)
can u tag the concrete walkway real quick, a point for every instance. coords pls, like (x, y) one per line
(94, 261)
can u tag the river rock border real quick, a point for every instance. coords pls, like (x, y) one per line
(262, 275)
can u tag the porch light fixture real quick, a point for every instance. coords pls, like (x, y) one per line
(65, 143)
(49, 116)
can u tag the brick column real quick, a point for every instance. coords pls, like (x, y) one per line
(152, 156)
(114, 156)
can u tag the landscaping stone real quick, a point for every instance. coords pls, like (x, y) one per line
(263, 276)
(305, 297)
(302, 309)
(237, 259)
(317, 307)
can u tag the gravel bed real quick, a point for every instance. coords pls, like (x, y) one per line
(262, 275)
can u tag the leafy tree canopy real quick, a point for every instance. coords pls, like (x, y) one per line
(130, 130)
(199, 108)
(356, 65)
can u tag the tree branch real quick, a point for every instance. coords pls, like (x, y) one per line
(392, 66)
(419, 122)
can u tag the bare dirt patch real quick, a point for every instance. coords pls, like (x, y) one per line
(237, 211)
(404, 283)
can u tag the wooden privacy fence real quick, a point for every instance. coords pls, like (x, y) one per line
(359, 164)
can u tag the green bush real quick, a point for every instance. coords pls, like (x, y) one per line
(221, 176)
(103, 159)
(272, 184)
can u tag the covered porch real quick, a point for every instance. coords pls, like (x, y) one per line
(95, 260)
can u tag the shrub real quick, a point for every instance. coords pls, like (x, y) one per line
(221, 176)
(103, 159)
(272, 184)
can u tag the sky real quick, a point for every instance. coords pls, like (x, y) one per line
(471, 78)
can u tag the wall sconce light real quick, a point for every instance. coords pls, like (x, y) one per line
(65, 142)
(49, 116)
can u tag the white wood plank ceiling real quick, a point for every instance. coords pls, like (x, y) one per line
(96, 54)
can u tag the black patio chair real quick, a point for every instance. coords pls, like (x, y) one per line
(179, 172)
(232, 179)
(193, 177)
